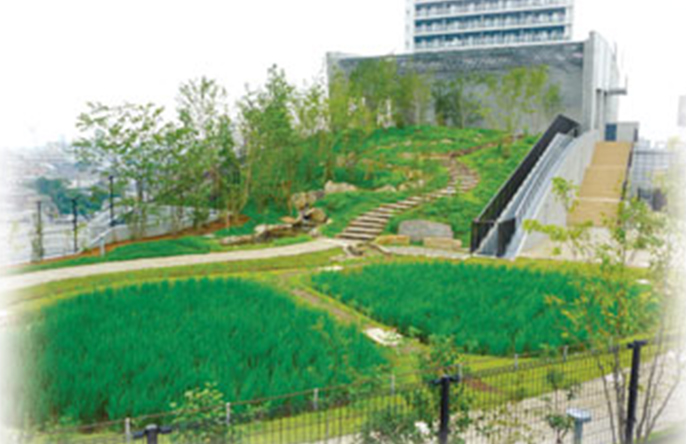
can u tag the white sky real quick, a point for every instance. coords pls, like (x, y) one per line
(55, 55)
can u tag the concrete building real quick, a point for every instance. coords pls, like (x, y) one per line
(438, 25)
(587, 73)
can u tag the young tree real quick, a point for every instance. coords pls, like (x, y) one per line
(457, 103)
(411, 99)
(203, 154)
(126, 141)
(373, 84)
(609, 310)
(521, 97)
(312, 125)
(269, 141)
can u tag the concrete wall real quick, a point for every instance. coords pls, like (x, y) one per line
(627, 132)
(601, 81)
(564, 62)
(572, 168)
(587, 73)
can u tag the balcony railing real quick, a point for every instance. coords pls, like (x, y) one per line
(489, 7)
(485, 25)
(494, 40)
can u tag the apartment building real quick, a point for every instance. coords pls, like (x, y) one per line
(438, 25)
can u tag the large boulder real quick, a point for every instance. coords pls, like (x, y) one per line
(237, 240)
(316, 215)
(307, 199)
(332, 187)
(299, 201)
(266, 232)
(418, 230)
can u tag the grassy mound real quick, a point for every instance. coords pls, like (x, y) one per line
(134, 350)
(488, 310)
(493, 167)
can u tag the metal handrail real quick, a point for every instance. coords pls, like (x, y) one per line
(482, 225)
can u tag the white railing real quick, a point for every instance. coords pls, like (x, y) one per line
(495, 40)
(486, 25)
(486, 7)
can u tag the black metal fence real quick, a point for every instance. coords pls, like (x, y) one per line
(540, 400)
(488, 218)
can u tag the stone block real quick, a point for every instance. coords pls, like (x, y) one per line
(418, 230)
(393, 240)
(443, 243)
(332, 187)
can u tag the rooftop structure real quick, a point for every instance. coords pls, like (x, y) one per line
(587, 73)
(435, 25)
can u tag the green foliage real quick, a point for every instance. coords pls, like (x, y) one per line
(523, 98)
(456, 102)
(128, 140)
(451, 300)
(198, 418)
(200, 166)
(460, 210)
(267, 215)
(56, 189)
(270, 141)
(134, 350)
(390, 426)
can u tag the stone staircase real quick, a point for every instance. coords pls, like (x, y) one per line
(601, 189)
(371, 224)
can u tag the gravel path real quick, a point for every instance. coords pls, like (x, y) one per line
(25, 280)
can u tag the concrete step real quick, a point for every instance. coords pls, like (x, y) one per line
(366, 223)
(611, 153)
(398, 206)
(363, 229)
(415, 199)
(594, 210)
(379, 214)
(384, 210)
(355, 236)
(371, 220)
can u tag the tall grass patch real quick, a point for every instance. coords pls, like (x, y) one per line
(487, 309)
(134, 350)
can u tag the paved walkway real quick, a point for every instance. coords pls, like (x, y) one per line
(25, 280)
(427, 252)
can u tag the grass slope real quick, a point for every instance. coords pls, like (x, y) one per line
(460, 210)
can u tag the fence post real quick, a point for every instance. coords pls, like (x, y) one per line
(516, 362)
(636, 347)
(228, 413)
(444, 425)
(315, 399)
(111, 200)
(564, 353)
(151, 432)
(127, 429)
(75, 207)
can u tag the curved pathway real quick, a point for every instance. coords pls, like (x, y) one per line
(25, 280)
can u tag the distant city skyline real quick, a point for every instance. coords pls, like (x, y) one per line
(62, 54)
